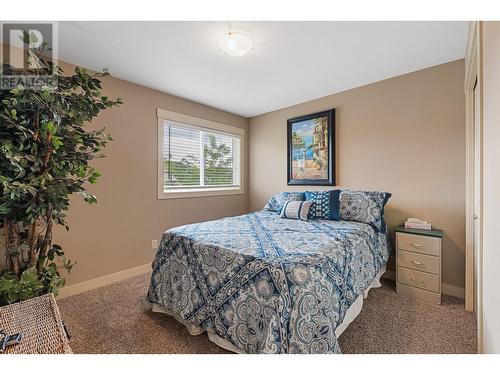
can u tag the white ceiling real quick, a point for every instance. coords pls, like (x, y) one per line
(292, 62)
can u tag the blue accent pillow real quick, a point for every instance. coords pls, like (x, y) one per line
(277, 202)
(365, 207)
(325, 204)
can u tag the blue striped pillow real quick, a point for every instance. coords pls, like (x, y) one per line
(296, 210)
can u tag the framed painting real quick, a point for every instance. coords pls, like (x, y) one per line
(311, 149)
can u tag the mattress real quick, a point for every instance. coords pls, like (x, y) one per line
(263, 284)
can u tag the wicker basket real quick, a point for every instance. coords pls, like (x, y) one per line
(40, 323)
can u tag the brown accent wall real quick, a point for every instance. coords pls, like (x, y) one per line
(116, 233)
(405, 135)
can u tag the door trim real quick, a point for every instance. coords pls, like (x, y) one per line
(473, 76)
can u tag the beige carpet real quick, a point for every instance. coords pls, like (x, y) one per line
(117, 319)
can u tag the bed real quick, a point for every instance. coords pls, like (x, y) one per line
(258, 283)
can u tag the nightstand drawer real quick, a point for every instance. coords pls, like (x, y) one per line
(420, 294)
(419, 262)
(419, 244)
(419, 279)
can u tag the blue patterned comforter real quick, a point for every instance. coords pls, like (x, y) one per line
(266, 284)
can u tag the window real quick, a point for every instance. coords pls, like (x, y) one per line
(197, 157)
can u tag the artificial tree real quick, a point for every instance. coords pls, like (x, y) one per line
(46, 147)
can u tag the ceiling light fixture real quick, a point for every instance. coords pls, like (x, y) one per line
(236, 44)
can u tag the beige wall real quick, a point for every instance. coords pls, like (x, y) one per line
(405, 135)
(116, 233)
(491, 187)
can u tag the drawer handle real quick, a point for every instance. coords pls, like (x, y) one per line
(417, 282)
(416, 263)
(417, 245)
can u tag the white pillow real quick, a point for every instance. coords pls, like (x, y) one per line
(296, 210)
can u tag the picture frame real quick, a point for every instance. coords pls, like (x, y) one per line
(311, 149)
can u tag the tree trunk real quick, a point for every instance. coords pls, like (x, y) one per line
(47, 238)
(23, 254)
(34, 242)
(12, 242)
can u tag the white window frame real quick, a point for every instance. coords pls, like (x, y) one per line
(195, 122)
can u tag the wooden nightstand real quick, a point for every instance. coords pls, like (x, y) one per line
(418, 263)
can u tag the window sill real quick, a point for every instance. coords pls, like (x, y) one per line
(199, 193)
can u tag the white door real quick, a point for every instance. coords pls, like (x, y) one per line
(477, 207)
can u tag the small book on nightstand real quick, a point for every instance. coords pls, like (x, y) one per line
(414, 223)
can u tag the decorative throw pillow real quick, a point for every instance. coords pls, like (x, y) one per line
(365, 207)
(278, 200)
(325, 204)
(296, 210)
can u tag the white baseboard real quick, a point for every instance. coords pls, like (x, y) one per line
(452, 290)
(71, 290)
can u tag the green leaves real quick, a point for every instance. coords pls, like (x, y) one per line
(28, 37)
(55, 251)
(5, 209)
(13, 289)
(89, 198)
(93, 176)
(56, 142)
(51, 128)
(47, 145)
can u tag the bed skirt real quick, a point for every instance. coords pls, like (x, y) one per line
(351, 314)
